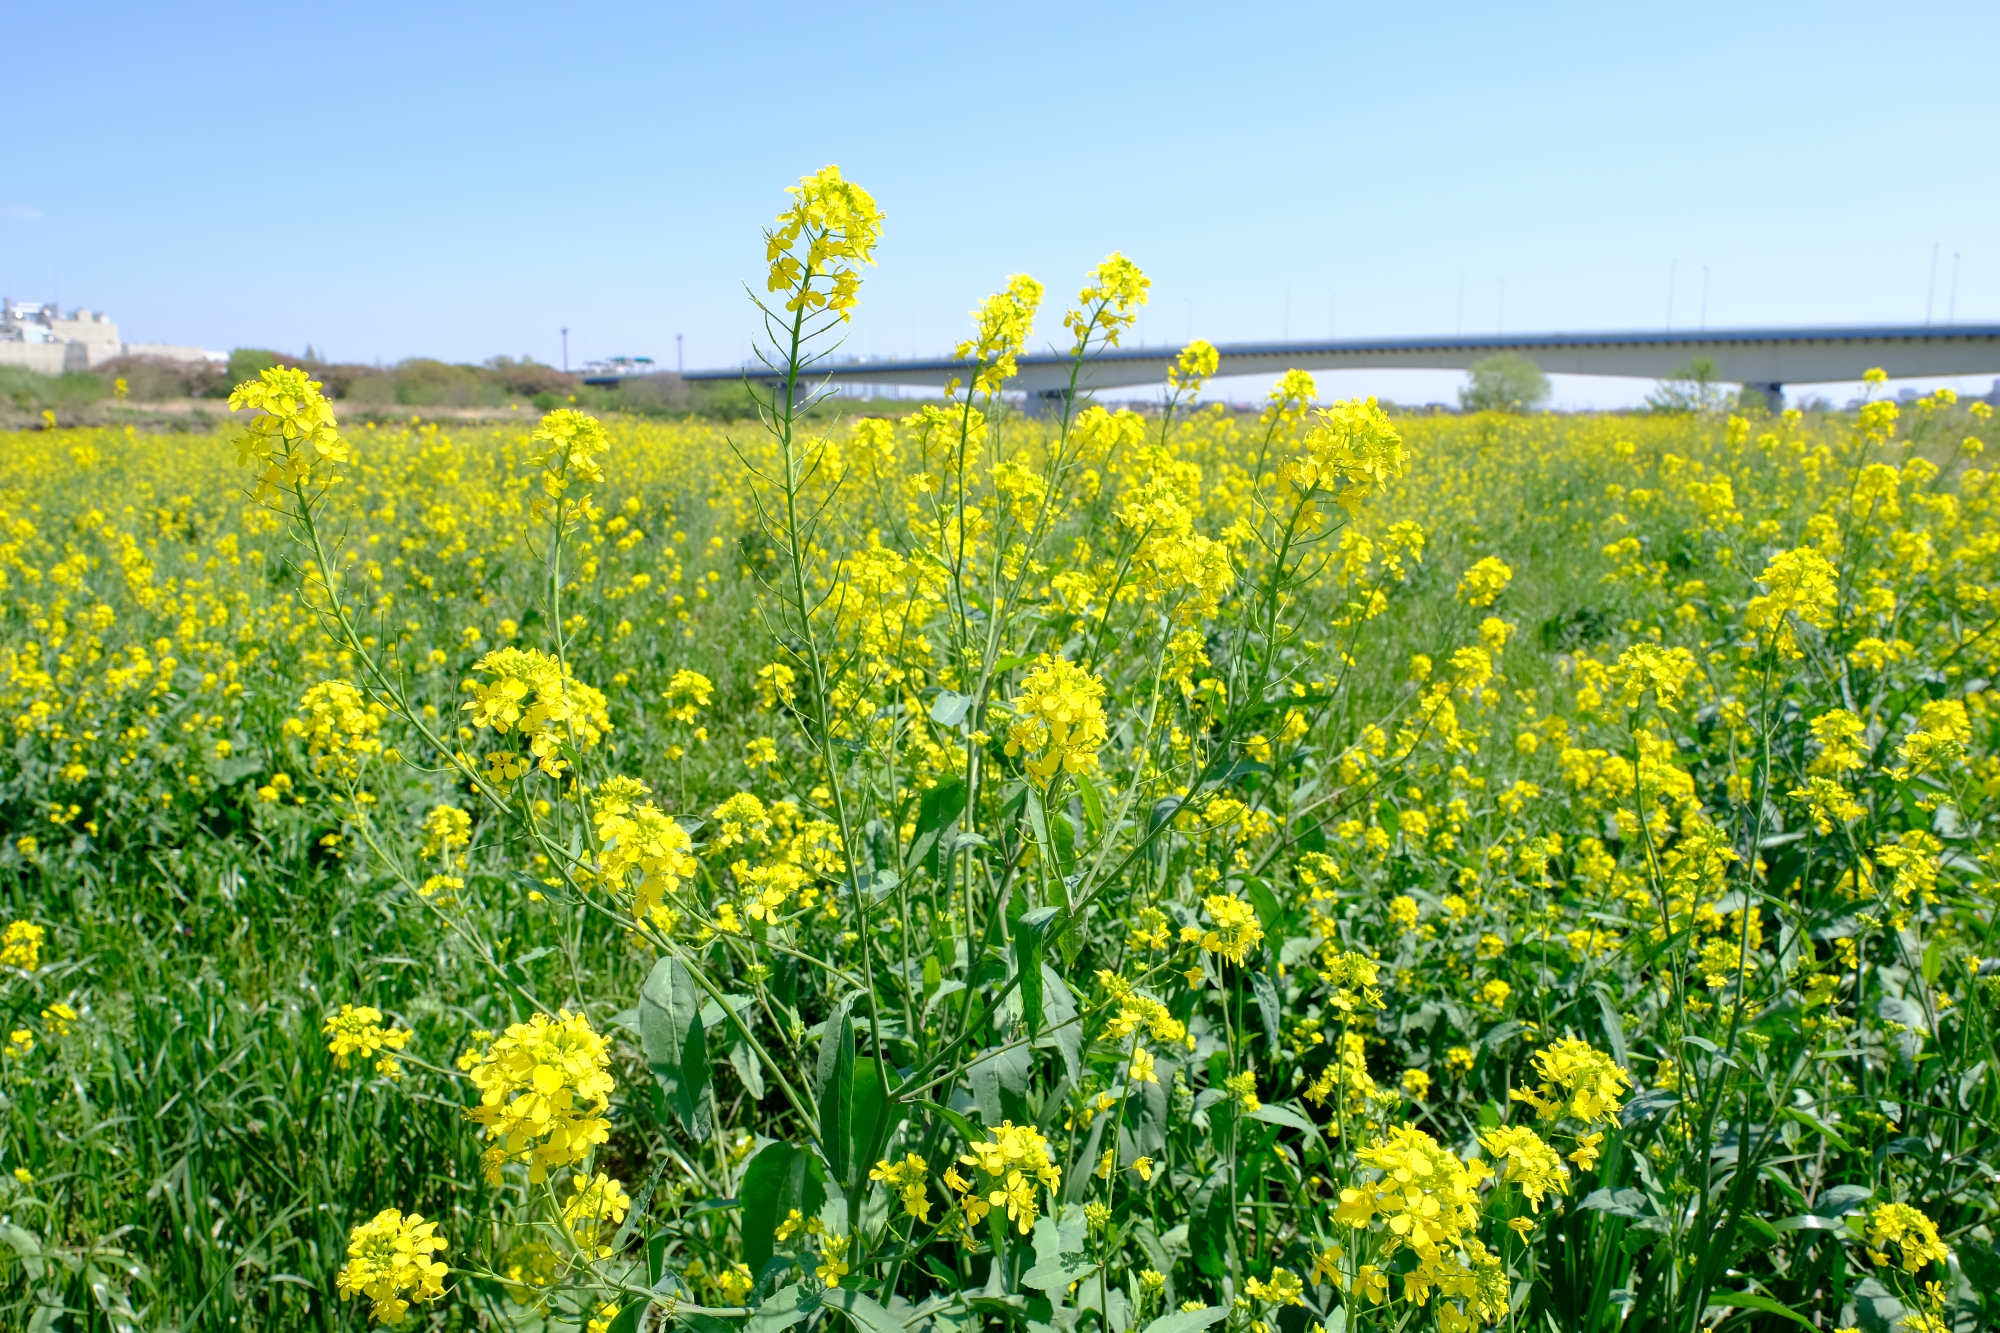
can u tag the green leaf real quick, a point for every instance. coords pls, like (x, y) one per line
(26, 1245)
(1030, 938)
(784, 1307)
(1188, 1321)
(671, 1035)
(707, 1323)
(937, 810)
(1808, 1222)
(781, 1177)
(1038, 820)
(1059, 1014)
(1208, 1231)
(1839, 1200)
(1269, 1007)
(1000, 1085)
(1614, 1027)
(949, 708)
(629, 1317)
(1746, 1300)
(836, 1092)
(1272, 1113)
(966, 1129)
(871, 1118)
(1145, 1129)
(1093, 804)
(1060, 1256)
(1269, 914)
(866, 1312)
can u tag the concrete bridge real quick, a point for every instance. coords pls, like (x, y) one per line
(1766, 359)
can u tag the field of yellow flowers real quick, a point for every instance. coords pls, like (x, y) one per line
(1100, 872)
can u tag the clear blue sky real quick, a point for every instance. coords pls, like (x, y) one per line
(385, 181)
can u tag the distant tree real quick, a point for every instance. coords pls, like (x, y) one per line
(246, 362)
(1692, 388)
(1504, 382)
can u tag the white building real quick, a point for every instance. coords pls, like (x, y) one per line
(41, 338)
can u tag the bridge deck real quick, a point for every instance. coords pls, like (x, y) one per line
(1767, 357)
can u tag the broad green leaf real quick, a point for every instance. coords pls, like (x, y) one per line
(866, 1312)
(1839, 1200)
(1059, 1017)
(784, 1307)
(629, 1317)
(937, 810)
(1614, 1027)
(1269, 914)
(1746, 1300)
(1273, 1113)
(1809, 1222)
(1060, 1254)
(1093, 804)
(950, 707)
(1144, 1133)
(966, 1129)
(871, 1118)
(836, 1094)
(1269, 1007)
(1030, 937)
(1000, 1085)
(1188, 1321)
(781, 1177)
(1209, 1228)
(676, 1049)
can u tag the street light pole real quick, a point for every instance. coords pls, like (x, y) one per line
(680, 364)
(565, 334)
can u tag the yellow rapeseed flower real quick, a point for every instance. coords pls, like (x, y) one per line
(816, 247)
(1914, 1235)
(21, 945)
(389, 1260)
(293, 440)
(1059, 725)
(1576, 1080)
(357, 1031)
(544, 1087)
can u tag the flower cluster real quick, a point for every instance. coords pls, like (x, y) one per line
(1007, 1168)
(595, 1202)
(534, 696)
(570, 445)
(1004, 320)
(340, 726)
(1351, 452)
(687, 694)
(544, 1087)
(21, 945)
(637, 838)
(1191, 369)
(1237, 930)
(1483, 581)
(358, 1031)
(906, 1180)
(1428, 1201)
(293, 434)
(1804, 588)
(839, 224)
(1577, 1081)
(389, 1260)
(1914, 1236)
(1059, 727)
(1109, 303)
(1528, 1161)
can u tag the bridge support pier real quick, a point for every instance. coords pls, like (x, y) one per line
(1046, 402)
(1774, 396)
